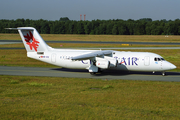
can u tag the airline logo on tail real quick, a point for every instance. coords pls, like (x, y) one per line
(31, 41)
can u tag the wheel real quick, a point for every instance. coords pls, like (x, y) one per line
(93, 73)
(99, 70)
(163, 73)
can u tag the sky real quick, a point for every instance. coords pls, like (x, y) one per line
(94, 9)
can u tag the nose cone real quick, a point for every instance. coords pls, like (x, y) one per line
(167, 66)
(172, 66)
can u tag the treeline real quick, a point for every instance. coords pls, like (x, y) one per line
(96, 27)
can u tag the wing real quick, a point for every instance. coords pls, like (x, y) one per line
(92, 55)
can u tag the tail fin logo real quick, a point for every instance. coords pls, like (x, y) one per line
(31, 41)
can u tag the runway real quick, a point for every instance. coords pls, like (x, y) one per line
(74, 73)
(114, 48)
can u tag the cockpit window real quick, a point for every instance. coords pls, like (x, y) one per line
(159, 59)
(162, 59)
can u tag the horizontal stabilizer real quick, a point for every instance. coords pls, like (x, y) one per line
(21, 28)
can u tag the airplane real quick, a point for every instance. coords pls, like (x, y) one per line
(93, 60)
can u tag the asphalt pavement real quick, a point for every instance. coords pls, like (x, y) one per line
(96, 42)
(75, 73)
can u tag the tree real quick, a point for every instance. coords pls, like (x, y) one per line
(122, 28)
(102, 28)
(115, 30)
(71, 27)
(179, 30)
(109, 27)
(146, 19)
(45, 29)
(64, 19)
(87, 27)
(130, 26)
(139, 28)
(148, 28)
(80, 28)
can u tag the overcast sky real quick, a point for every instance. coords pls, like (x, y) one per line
(94, 9)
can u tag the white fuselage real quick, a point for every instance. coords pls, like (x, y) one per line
(132, 61)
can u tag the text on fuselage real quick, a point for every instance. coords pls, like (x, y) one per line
(127, 61)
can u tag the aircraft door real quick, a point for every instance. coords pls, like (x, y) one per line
(161, 64)
(146, 60)
(53, 57)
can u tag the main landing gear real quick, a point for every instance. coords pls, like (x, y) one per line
(94, 73)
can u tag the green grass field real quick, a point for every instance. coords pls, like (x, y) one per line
(23, 97)
(77, 98)
(108, 38)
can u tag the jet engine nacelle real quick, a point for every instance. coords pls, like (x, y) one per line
(113, 61)
(104, 64)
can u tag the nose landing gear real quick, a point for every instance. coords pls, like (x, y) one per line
(163, 73)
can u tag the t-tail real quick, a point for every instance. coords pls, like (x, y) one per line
(32, 40)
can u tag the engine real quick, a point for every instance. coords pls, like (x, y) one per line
(104, 64)
(113, 63)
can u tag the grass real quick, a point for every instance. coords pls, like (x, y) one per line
(108, 38)
(85, 45)
(39, 84)
(74, 98)
(19, 58)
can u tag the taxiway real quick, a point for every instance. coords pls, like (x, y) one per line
(101, 42)
(74, 73)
